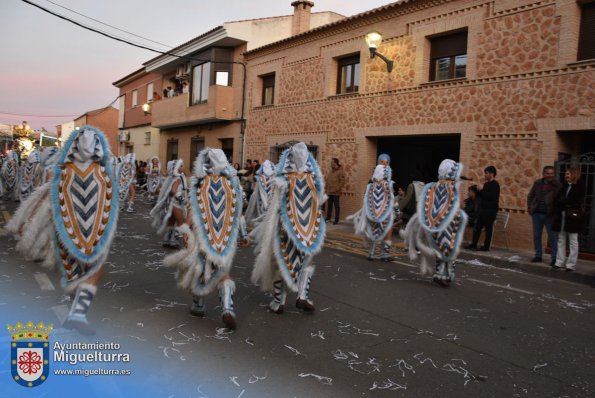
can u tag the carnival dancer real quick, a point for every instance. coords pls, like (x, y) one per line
(154, 178)
(171, 208)
(438, 226)
(292, 230)
(10, 175)
(210, 234)
(49, 157)
(30, 175)
(263, 191)
(29, 209)
(126, 177)
(374, 220)
(77, 220)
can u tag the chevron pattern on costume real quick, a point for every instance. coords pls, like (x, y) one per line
(10, 174)
(266, 185)
(302, 207)
(378, 201)
(72, 268)
(292, 257)
(217, 203)
(446, 239)
(439, 202)
(153, 182)
(125, 177)
(28, 179)
(378, 229)
(85, 203)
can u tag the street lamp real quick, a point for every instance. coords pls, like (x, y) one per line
(147, 108)
(373, 39)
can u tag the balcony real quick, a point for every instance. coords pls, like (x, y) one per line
(175, 111)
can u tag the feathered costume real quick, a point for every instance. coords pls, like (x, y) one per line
(438, 226)
(10, 175)
(77, 217)
(292, 230)
(30, 175)
(29, 209)
(126, 178)
(49, 157)
(216, 211)
(263, 191)
(168, 199)
(375, 219)
(154, 179)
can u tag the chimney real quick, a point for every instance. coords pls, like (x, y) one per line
(301, 16)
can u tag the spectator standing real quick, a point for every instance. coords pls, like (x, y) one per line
(335, 181)
(408, 203)
(569, 218)
(471, 205)
(541, 207)
(489, 198)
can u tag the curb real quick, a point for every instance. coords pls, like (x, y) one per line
(513, 261)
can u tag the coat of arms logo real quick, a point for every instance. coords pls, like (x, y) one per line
(29, 353)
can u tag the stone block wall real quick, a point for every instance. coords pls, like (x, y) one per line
(519, 42)
(508, 110)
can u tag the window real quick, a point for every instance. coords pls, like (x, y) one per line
(268, 89)
(201, 80)
(149, 92)
(348, 75)
(276, 150)
(134, 98)
(227, 148)
(222, 78)
(448, 56)
(172, 149)
(197, 144)
(586, 38)
(147, 138)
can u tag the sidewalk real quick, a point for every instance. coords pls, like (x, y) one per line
(497, 257)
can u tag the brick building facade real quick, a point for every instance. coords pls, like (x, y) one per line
(483, 82)
(106, 120)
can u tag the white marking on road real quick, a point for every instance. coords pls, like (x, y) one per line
(43, 281)
(507, 287)
(405, 264)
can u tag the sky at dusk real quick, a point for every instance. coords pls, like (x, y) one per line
(51, 67)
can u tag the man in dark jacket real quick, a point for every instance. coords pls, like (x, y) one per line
(489, 197)
(335, 181)
(540, 205)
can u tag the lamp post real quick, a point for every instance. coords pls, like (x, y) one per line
(147, 108)
(373, 39)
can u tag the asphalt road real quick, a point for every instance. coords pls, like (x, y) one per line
(380, 329)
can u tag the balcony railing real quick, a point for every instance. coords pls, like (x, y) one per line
(176, 111)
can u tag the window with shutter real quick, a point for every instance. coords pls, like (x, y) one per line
(586, 39)
(448, 56)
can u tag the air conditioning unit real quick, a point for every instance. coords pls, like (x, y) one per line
(124, 135)
(183, 71)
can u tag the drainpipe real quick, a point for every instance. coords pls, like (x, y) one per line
(242, 120)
